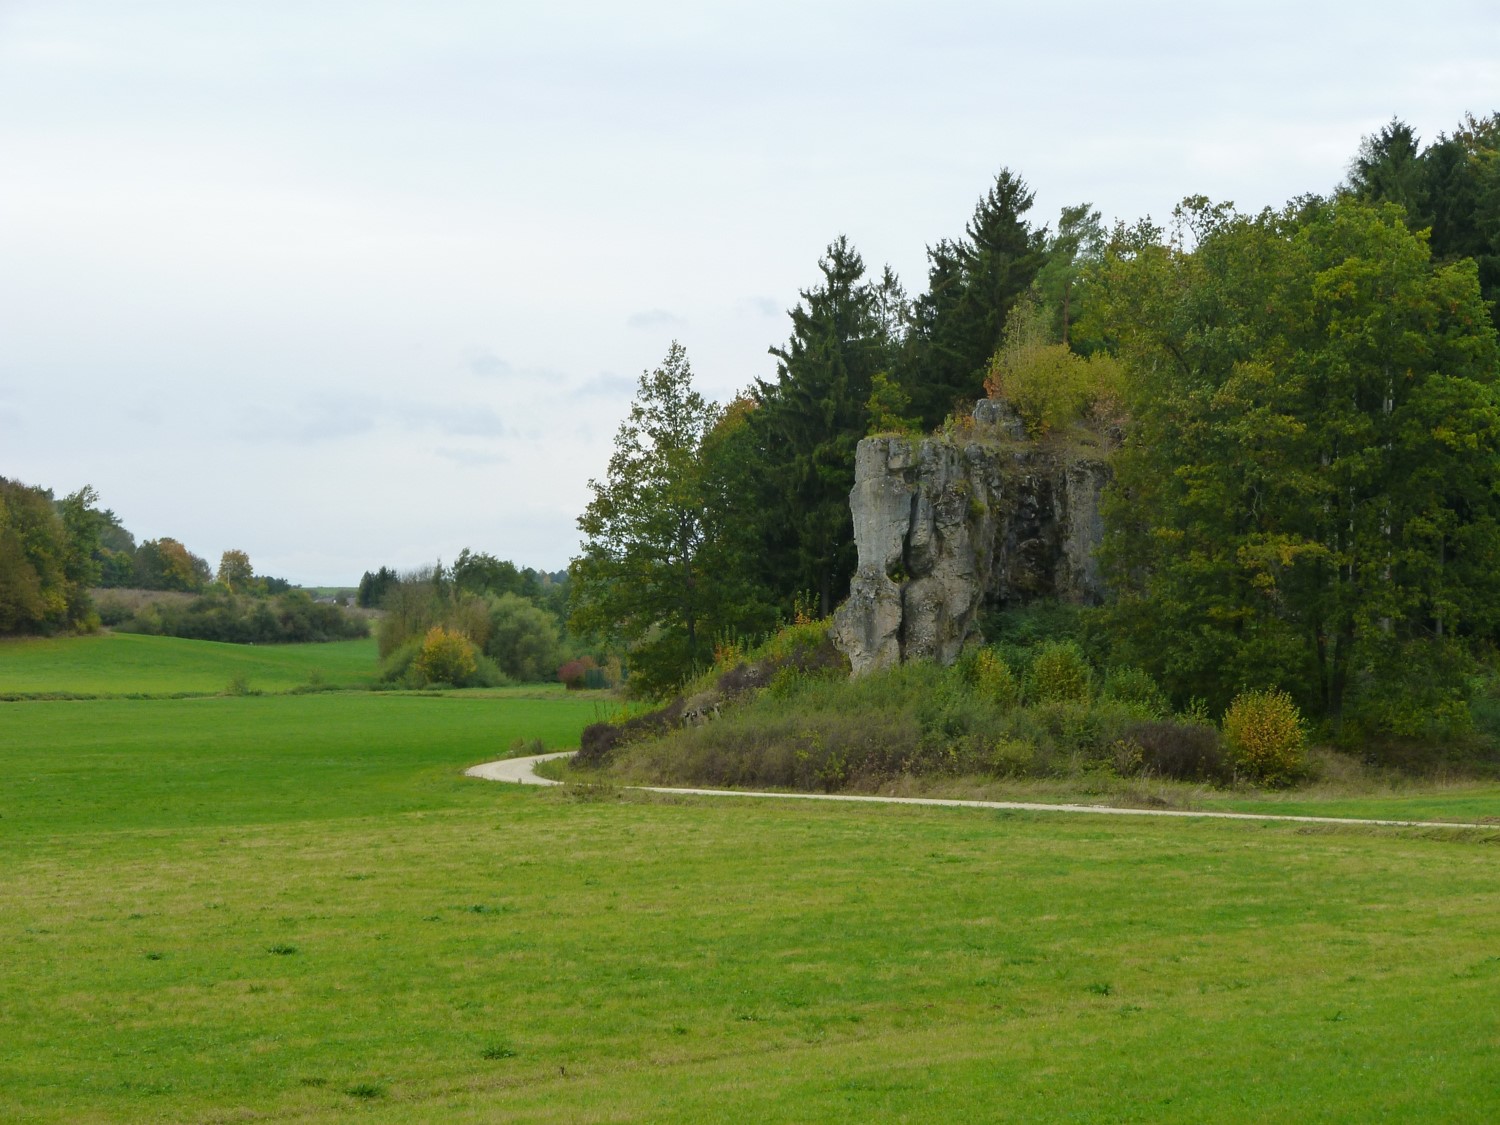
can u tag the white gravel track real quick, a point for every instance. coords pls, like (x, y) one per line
(521, 771)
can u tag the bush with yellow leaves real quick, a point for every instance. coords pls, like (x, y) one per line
(1266, 737)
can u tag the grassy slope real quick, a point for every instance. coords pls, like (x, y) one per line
(644, 960)
(126, 664)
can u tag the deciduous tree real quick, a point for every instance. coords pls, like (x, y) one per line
(1309, 496)
(640, 577)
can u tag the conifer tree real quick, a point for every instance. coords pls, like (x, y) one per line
(809, 421)
(972, 285)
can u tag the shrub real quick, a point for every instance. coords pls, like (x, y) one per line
(1265, 736)
(1059, 673)
(396, 667)
(991, 677)
(1137, 690)
(599, 739)
(522, 637)
(1048, 383)
(445, 658)
(574, 674)
(113, 611)
(1010, 757)
(289, 618)
(1180, 750)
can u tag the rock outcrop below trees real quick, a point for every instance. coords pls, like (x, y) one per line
(948, 526)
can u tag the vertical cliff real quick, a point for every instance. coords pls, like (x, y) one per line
(946, 527)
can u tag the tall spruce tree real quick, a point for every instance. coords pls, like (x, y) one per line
(972, 284)
(1389, 168)
(808, 422)
(1451, 188)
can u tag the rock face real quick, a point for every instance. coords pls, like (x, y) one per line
(945, 528)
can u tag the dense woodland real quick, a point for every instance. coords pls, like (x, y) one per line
(1307, 496)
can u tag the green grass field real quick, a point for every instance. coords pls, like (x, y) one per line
(294, 907)
(127, 664)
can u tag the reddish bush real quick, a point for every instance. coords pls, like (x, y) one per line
(575, 673)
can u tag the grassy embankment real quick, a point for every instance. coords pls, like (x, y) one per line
(787, 717)
(295, 907)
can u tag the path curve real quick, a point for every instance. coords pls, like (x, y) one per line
(522, 771)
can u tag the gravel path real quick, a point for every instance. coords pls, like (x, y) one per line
(521, 771)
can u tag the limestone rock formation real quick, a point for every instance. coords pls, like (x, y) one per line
(947, 527)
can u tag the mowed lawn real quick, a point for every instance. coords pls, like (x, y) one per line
(296, 908)
(127, 664)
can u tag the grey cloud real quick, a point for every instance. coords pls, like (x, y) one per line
(763, 305)
(330, 418)
(606, 385)
(313, 421)
(654, 318)
(488, 366)
(455, 421)
(470, 458)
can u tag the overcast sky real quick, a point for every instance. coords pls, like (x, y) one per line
(352, 284)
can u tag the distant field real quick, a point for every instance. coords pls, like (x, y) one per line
(126, 664)
(176, 762)
(295, 907)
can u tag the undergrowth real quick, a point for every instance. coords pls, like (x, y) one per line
(1038, 706)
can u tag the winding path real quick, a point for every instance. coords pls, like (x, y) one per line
(522, 771)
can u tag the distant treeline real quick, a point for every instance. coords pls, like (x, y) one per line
(480, 621)
(54, 552)
(220, 615)
(48, 558)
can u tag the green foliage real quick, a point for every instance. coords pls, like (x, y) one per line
(1137, 690)
(639, 576)
(48, 559)
(807, 423)
(887, 407)
(165, 564)
(235, 572)
(373, 587)
(1451, 188)
(1312, 463)
(290, 618)
(523, 639)
(664, 561)
(1266, 736)
(1049, 384)
(1059, 673)
(991, 677)
(1412, 691)
(441, 657)
(1062, 282)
